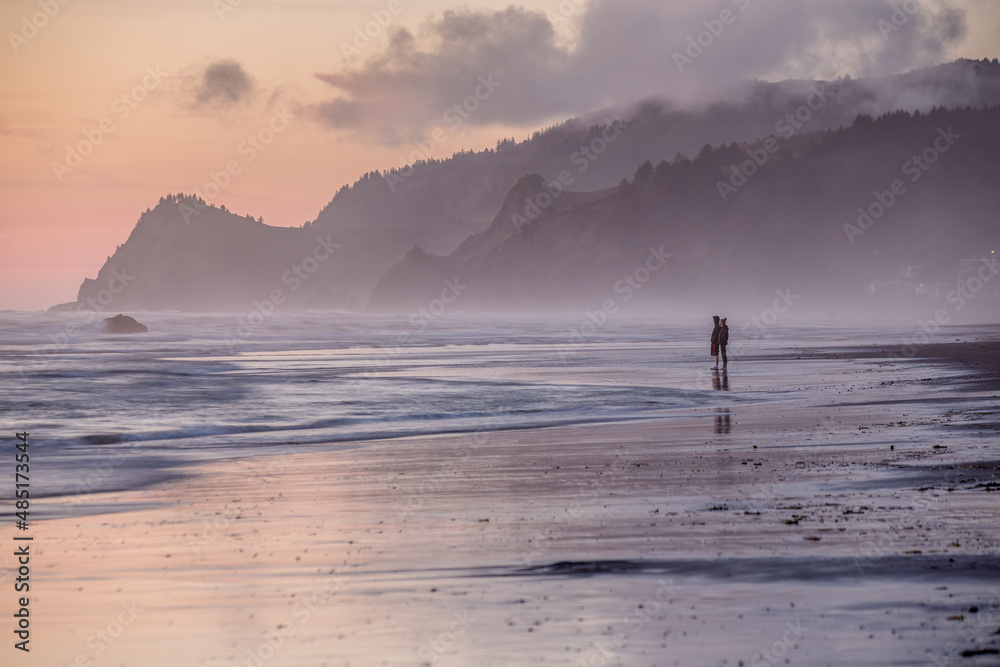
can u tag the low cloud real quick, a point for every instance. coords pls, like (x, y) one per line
(415, 80)
(223, 84)
(624, 51)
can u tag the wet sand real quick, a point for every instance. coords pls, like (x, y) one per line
(852, 523)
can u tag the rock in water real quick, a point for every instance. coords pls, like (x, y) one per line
(123, 324)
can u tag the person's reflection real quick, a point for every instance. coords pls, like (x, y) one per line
(722, 421)
(720, 383)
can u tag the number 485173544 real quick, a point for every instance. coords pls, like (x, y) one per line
(21, 473)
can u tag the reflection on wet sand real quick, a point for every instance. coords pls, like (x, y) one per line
(722, 421)
(720, 383)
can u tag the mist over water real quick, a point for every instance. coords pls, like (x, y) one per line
(114, 412)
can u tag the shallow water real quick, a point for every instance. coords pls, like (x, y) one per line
(117, 412)
(679, 516)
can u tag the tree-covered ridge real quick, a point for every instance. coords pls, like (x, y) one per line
(753, 217)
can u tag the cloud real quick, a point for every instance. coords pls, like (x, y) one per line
(413, 82)
(624, 51)
(223, 84)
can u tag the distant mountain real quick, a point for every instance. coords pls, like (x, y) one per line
(828, 214)
(186, 255)
(218, 261)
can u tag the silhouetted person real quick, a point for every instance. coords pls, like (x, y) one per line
(715, 341)
(723, 341)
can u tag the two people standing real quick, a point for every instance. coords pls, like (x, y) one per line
(720, 338)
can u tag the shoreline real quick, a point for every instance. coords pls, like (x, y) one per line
(551, 546)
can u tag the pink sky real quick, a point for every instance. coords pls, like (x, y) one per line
(65, 82)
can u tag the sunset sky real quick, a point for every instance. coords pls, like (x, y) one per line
(110, 104)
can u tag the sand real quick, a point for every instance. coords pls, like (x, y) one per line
(854, 525)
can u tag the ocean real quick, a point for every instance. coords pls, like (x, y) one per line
(112, 412)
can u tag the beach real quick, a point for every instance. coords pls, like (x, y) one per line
(819, 504)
